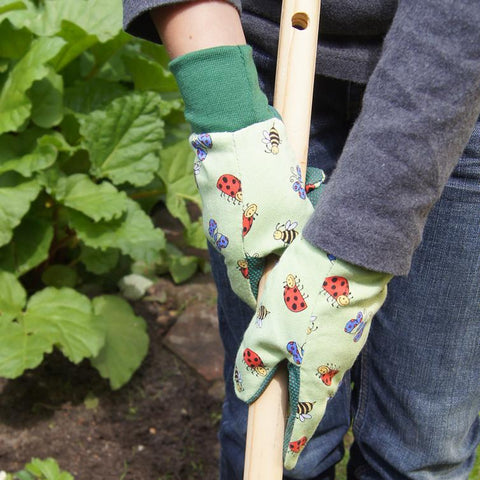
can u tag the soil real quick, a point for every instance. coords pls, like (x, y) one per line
(161, 425)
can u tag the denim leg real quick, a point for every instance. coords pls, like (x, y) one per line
(417, 394)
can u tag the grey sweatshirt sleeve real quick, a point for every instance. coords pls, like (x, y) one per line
(136, 16)
(418, 111)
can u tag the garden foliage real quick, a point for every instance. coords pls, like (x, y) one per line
(92, 135)
(38, 469)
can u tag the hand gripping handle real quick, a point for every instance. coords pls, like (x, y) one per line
(297, 51)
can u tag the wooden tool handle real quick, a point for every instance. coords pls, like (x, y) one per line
(297, 50)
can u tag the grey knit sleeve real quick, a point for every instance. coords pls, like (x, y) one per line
(137, 21)
(419, 108)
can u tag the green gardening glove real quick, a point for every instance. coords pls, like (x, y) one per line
(254, 200)
(315, 313)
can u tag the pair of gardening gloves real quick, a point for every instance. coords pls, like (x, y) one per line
(315, 310)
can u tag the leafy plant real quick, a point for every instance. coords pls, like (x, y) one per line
(92, 135)
(37, 469)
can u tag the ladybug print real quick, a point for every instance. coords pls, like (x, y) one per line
(326, 374)
(202, 143)
(298, 446)
(296, 351)
(242, 265)
(296, 179)
(292, 296)
(248, 217)
(309, 187)
(230, 186)
(254, 362)
(338, 290)
(221, 241)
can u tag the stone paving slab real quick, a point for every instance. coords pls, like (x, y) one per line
(194, 337)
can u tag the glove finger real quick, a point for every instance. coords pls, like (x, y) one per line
(309, 393)
(253, 372)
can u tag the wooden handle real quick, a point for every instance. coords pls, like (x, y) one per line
(297, 51)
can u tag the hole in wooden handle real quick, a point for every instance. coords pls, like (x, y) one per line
(300, 20)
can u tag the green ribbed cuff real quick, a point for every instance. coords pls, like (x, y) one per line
(220, 88)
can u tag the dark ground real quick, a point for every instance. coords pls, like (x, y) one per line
(162, 425)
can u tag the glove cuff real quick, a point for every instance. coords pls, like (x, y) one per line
(220, 88)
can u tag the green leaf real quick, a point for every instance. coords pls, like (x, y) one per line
(133, 233)
(15, 198)
(23, 475)
(46, 96)
(195, 235)
(176, 170)
(148, 74)
(10, 5)
(15, 106)
(60, 276)
(182, 267)
(47, 469)
(12, 298)
(84, 97)
(77, 41)
(102, 52)
(26, 153)
(14, 43)
(4, 63)
(97, 17)
(29, 246)
(98, 201)
(64, 317)
(126, 341)
(124, 139)
(20, 350)
(99, 261)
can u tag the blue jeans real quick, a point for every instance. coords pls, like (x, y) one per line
(416, 386)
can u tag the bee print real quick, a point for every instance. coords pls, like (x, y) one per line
(272, 140)
(221, 241)
(286, 232)
(292, 295)
(304, 409)
(296, 351)
(337, 291)
(242, 265)
(357, 325)
(326, 374)
(254, 363)
(237, 377)
(248, 217)
(230, 186)
(262, 312)
(296, 179)
(202, 143)
(298, 445)
(312, 326)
